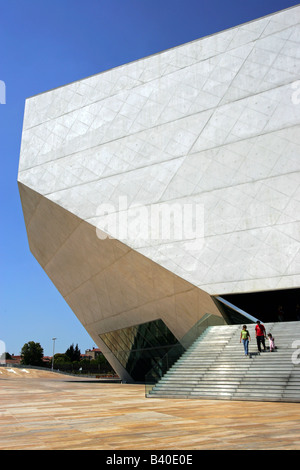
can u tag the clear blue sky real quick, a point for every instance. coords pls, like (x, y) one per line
(49, 43)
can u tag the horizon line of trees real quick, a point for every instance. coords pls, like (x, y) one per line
(32, 354)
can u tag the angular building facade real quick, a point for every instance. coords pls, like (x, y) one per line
(155, 191)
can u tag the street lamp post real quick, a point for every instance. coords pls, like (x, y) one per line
(53, 339)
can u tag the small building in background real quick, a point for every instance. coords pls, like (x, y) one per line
(93, 353)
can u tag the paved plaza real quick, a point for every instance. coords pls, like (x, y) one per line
(41, 411)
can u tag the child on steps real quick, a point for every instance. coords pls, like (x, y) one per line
(271, 342)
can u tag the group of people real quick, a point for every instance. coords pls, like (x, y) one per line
(260, 334)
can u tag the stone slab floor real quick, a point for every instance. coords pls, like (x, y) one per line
(52, 412)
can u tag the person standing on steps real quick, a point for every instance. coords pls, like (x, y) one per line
(260, 333)
(298, 312)
(245, 337)
(271, 342)
(280, 313)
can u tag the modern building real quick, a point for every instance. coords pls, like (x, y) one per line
(164, 195)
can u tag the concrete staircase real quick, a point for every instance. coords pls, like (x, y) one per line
(215, 367)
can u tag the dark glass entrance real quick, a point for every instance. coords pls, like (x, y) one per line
(139, 348)
(265, 305)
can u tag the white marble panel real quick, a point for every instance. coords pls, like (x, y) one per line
(213, 123)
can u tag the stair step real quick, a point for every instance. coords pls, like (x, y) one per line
(215, 367)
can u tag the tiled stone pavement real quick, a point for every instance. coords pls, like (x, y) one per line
(56, 413)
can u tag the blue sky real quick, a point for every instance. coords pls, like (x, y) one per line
(45, 44)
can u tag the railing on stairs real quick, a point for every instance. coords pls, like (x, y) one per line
(173, 355)
(232, 313)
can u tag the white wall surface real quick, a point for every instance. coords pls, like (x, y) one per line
(214, 124)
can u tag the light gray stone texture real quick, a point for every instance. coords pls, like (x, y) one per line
(214, 124)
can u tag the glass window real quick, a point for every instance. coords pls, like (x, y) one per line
(139, 348)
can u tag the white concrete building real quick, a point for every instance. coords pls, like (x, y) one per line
(189, 160)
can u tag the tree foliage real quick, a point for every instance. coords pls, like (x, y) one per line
(32, 354)
(73, 354)
(61, 358)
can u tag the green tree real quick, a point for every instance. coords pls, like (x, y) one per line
(72, 353)
(32, 354)
(60, 358)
